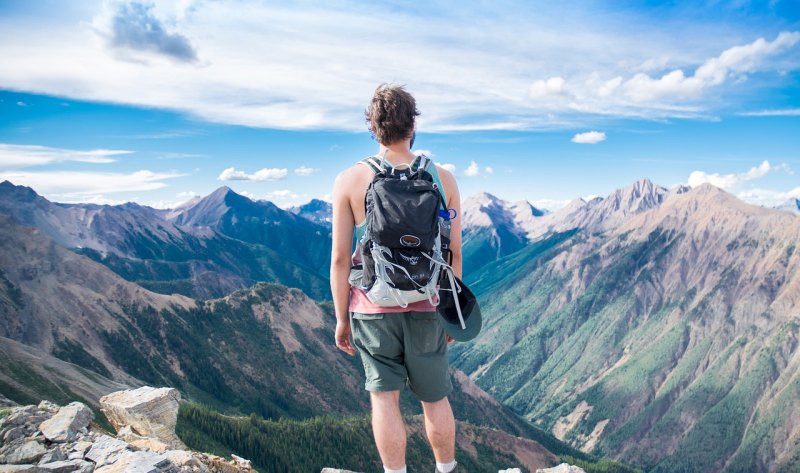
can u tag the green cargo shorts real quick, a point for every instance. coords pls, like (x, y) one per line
(404, 348)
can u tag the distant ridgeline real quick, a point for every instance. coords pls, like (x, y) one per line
(206, 249)
(658, 327)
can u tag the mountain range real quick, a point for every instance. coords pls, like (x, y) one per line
(656, 326)
(653, 326)
(72, 329)
(206, 249)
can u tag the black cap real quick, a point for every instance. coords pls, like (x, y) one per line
(448, 314)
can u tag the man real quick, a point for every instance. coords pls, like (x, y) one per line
(398, 346)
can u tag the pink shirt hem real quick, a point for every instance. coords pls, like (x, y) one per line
(359, 302)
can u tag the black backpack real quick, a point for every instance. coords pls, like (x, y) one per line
(407, 234)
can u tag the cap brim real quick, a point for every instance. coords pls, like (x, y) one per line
(470, 311)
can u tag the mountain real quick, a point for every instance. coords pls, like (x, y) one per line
(600, 214)
(317, 211)
(142, 245)
(265, 350)
(658, 328)
(492, 228)
(263, 223)
(791, 205)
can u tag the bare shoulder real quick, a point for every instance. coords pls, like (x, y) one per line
(352, 177)
(445, 175)
(448, 182)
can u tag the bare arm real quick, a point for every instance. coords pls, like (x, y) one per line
(453, 202)
(342, 233)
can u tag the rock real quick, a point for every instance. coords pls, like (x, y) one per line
(241, 462)
(17, 416)
(79, 449)
(150, 412)
(143, 443)
(68, 466)
(20, 469)
(562, 468)
(106, 450)
(510, 470)
(185, 460)
(48, 406)
(14, 433)
(65, 425)
(29, 452)
(54, 455)
(6, 402)
(140, 462)
(220, 465)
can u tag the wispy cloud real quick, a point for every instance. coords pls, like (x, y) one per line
(13, 156)
(768, 197)
(735, 61)
(589, 137)
(318, 73)
(733, 180)
(265, 174)
(787, 112)
(78, 185)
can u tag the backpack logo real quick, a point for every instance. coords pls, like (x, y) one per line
(410, 241)
(412, 260)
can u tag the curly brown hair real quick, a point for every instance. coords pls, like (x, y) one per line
(391, 114)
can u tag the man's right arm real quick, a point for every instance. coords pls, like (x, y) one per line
(342, 235)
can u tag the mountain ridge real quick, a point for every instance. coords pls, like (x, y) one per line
(623, 341)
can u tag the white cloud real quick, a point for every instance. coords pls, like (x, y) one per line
(281, 194)
(738, 60)
(488, 170)
(305, 171)
(589, 137)
(552, 87)
(249, 195)
(266, 174)
(21, 104)
(767, 197)
(71, 184)
(731, 181)
(21, 156)
(788, 112)
(450, 167)
(318, 73)
(426, 152)
(472, 170)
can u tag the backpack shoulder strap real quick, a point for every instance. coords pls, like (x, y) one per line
(373, 163)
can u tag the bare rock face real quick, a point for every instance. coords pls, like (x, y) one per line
(65, 425)
(150, 412)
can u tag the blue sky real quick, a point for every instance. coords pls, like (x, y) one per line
(112, 101)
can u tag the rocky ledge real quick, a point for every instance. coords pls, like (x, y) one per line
(51, 439)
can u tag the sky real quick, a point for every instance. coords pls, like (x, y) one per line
(109, 101)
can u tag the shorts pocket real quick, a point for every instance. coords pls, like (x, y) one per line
(427, 334)
(367, 330)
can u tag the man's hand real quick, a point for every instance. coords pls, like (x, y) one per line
(343, 337)
(449, 339)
